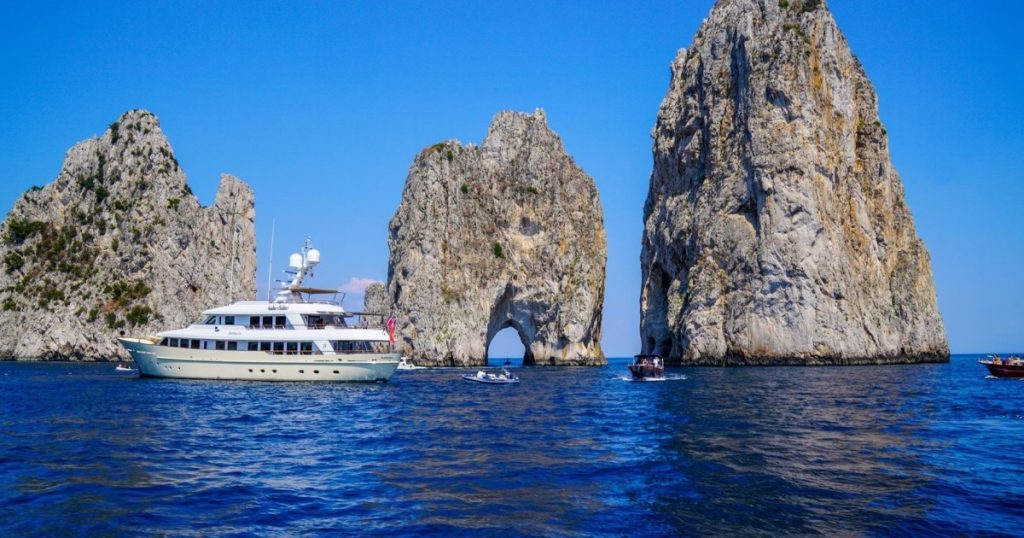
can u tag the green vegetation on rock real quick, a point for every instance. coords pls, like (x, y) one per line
(18, 230)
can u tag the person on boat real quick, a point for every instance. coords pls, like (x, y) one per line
(996, 359)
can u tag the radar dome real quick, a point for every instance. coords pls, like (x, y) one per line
(313, 256)
(295, 261)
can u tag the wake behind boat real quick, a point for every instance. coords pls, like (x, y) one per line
(293, 338)
(504, 378)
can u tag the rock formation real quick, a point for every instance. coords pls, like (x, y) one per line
(119, 243)
(375, 299)
(775, 228)
(508, 234)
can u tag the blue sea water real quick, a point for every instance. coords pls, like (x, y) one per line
(876, 450)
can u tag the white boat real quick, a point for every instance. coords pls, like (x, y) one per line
(404, 364)
(292, 338)
(503, 378)
(124, 368)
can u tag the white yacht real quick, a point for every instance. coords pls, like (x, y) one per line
(292, 338)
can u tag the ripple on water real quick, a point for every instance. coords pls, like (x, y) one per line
(576, 451)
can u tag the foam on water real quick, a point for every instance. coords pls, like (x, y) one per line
(667, 377)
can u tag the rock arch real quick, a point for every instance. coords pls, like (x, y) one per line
(508, 313)
(507, 234)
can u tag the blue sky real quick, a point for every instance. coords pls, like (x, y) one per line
(322, 106)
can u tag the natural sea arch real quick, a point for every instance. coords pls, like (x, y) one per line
(508, 342)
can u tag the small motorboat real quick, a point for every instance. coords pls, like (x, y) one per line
(122, 367)
(1004, 367)
(404, 364)
(647, 366)
(503, 378)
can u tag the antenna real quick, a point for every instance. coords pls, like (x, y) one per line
(270, 256)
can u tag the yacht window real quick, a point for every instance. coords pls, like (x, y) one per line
(254, 321)
(278, 348)
(229, 320)
(268, 322)
(210, 320)
(194, 344)
(163, 342)
(293, 348)
(279, 322)
(307, 348)
(264, 346)
(220, 345)
(232, 346)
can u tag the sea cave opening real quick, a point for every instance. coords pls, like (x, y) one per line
(507, 344)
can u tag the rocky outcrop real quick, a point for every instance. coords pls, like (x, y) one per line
(118, 243)
(375, 299)
(775, 228)
(508, 234)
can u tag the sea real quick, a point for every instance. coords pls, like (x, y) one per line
(917, 450)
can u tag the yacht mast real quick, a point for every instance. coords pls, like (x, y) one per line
(270, 256)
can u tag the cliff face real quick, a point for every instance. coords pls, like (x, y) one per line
(508, 234)
(375, 300)
(775, 228)
(119, 243)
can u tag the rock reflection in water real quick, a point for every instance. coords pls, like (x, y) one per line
(798, 449)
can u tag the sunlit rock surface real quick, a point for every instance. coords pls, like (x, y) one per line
(508, 234)
(118, 243)
(775, 228)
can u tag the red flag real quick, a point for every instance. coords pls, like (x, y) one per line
(391, 328)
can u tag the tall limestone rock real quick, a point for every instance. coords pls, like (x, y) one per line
(775, 228)
(119, 243)
(508, 234)
(375, 299)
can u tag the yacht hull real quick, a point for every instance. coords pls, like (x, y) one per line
(182, 363)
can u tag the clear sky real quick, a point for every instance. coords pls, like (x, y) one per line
(321, 107)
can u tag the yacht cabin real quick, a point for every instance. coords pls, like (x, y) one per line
(281, 329)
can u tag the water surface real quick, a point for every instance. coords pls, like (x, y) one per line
(911, 450)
